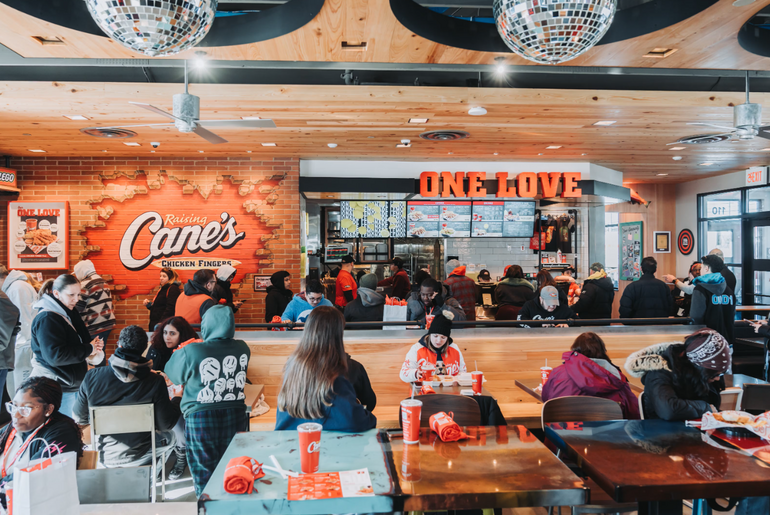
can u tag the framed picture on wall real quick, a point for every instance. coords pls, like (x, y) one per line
(261, 282)
(38, 235)
(631, 250)
(662, 242)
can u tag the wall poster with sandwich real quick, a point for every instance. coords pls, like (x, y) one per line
(38, 235)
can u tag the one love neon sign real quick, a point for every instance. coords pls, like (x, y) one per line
(525, 184)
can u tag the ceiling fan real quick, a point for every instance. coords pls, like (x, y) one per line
(747, 124)
(187, 118)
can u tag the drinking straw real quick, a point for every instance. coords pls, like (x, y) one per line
(546, 361)
(278, 467)
(477, 365)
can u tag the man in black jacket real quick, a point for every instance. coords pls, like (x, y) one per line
(597, 295)
(546, 307)
(648, 297)
(129, 380)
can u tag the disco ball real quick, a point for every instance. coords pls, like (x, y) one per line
(552, 31)
(154, 27)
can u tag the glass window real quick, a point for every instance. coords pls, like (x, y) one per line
(738, 271)
(759, 200)
(611, 246)
(721, 205)
(724, 235)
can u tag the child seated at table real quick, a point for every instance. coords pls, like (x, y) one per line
(314, 387)
(432, 347)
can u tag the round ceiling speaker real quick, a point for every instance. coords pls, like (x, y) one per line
(97, 132)
(550, 32)
(450, 135)
(154, 27)
(701, 139)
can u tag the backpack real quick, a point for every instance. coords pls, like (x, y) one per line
(720, 311)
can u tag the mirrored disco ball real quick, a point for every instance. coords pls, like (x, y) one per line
(552, 31)
(154, 27)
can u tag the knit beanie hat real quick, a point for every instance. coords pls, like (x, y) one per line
(368, 281)
(708, 349)
(442, 324)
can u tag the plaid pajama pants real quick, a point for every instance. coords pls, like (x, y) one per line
(208, 435)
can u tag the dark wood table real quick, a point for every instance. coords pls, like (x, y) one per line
(658, 463)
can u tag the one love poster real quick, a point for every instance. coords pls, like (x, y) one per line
(37, 235)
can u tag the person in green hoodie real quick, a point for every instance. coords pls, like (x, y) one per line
(213, 374)
(512, 293)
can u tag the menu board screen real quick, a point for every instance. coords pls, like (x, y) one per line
(372, 219)
(499, 218)
(397, 219)
(431, 219)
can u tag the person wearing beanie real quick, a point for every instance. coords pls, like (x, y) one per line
(278, 295)
(369, 305)
(681, 381)
(398, 280)
(95, 304)
(126, 381)
(223, 289)
(432, 347)
(546, 306)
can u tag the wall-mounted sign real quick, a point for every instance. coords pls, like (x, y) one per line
(631, 248)
(756, 176)
(261, 282)
(8, 179)
(38, 235)
(526, 184)
(662, 240)
(685, 241)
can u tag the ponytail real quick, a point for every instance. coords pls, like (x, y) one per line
(57, 284)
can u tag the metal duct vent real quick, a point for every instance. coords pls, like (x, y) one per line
(444, 135)
(108, 133)
(700, 139)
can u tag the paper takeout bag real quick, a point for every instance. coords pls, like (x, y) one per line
(47, 486)
(395, 311)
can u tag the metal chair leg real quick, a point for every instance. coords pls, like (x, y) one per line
(163, 476)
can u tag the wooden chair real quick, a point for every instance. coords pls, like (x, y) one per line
(756, 398)
(641, 406)
(466, 410)
(730, 398)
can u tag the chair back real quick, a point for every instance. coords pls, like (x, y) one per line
(579, 409)
(466, 410)
(641, 406)
(730, 398)
(116, 420)
(756, 397)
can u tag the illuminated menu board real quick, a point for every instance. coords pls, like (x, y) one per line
(501, 218)
(372, 219)
(433, 219)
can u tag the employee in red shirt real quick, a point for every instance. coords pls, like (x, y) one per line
(399, 280)
(346, 287)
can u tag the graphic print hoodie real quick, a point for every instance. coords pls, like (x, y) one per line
(213, 372)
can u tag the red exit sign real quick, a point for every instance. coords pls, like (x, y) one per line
(756, 176)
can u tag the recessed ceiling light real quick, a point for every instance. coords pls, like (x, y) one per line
(477, 111)
(450, 152)
(677, 148)
(248, 151)
(583, 154)
(36, 150)
(418, 120)
(75, 116)
(152, 151)
(26, 134)
(403, 145)
(662, 174)
(677, 158)
(269, 144)
(131, 144)
(604, 123)
(496, 153)
(331, 145)
(540, 154)
(104, 151)
(200, 151)
(707, 163)
(250, 118)
(553, 147)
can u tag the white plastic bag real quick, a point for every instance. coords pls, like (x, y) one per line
(48, 490)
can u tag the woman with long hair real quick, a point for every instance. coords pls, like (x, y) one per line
(61, 343)
(588, 371)
(314, 387)
(512, 293)
(170, 333)
(162, 306)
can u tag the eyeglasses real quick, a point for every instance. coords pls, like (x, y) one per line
(24, 411)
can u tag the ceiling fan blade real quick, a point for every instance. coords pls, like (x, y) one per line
(245, 124)
(156, 110)
(764, 132)
(712, 125)
(208, 135)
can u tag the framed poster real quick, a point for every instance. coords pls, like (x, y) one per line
(631, 249)
(261, 282)
(38, 235)
(662, 242)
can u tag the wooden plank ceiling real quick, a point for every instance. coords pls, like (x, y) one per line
(368, 123)
(706, 40)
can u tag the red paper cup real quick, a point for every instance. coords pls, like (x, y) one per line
(309, 446)
(410, 463)
(428, 321)
(410, 420)
(478, 379)
(544, 373)
(31, 224)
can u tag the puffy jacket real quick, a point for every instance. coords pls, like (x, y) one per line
(163, 305)
(646, 298)
(415, 310)
(367, 307)
(299, 309)
(663, 396)
(193, 303)
(423, 353)
(514, 292)
(9, 328)
(276, 301)
(23, 296)
(589, 377)
(596, 299)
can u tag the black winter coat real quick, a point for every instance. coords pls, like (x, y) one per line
(276, 301)
(164, 304)
(595, 299)
(646, 298)
(729, 278)
(356, 312)
(360, 380)
(513, 292)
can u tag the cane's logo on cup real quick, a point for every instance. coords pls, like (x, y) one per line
(314, 447)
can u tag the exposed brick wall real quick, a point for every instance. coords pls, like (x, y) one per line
(79, 181)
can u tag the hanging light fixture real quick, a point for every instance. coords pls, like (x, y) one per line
(154, 27)
(552, 31)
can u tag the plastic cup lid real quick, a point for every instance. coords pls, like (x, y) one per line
(411, 403)
(309, 427)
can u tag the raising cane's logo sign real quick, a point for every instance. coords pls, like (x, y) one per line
(146, 225)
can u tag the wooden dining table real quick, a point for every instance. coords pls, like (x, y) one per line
(531, 387)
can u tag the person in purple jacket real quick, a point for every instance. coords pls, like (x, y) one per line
(588, 371)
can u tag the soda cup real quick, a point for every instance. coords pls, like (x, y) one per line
(410, 463)
(410, 420)
(429, 320)
(309, 446)
(544, 373)
(478, 379)
(31, 224)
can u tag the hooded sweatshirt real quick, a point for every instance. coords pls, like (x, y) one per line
(95, 304)
(60, 343)
(423, 353)
(367, 307)
(299, 308)
(590, 377)
(213, 372)
(664, 397)
(193, 303)
(514, 292)
(715, 284)
(223, 289)
(127, 380)
(596, 299)
(23, 296)
(9, 328)
(278, 296)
